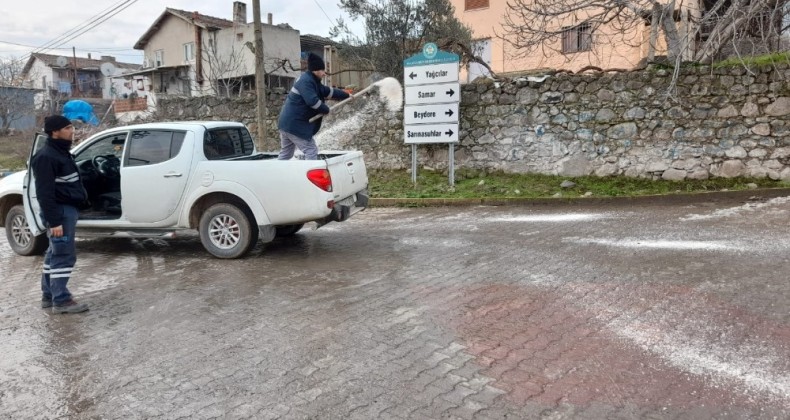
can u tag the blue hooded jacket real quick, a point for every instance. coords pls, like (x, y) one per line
(304, 101)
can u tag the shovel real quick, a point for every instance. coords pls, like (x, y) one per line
(390, 90)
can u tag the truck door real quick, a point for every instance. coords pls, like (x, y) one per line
(32, 209)
(154, 174)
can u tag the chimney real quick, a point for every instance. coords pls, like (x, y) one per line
(105, 58)
(89, 56)
(239, 13)
(269, 18)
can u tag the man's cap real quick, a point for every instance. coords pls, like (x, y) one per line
(315, 62)
(55, 123)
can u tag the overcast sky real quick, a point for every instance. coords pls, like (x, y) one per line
(26, 24)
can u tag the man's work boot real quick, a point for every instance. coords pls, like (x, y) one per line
(70, 307)
(46, 303)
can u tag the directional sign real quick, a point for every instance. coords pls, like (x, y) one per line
(433, 94)
(423, 114)
(431, 74)
(431, 133)
(431, 113)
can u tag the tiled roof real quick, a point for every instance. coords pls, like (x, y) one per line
(82, 63)
(197, 18)
(201, 19)
(309, 41)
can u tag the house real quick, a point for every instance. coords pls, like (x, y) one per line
(613, 49)
(192, 54)
(77, 77)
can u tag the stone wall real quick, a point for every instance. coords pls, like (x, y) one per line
(716, 123)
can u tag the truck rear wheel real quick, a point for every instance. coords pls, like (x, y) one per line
(288, 230)
(20, 238)
(227, 231)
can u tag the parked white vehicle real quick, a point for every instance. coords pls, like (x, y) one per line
(151, 180)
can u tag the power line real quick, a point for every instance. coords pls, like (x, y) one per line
(322, 9)
(86, 23)
(100, 22)
(79, 48)
(75, 32)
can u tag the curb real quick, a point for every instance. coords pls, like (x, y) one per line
(668, 199)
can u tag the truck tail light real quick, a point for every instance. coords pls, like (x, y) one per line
(320, 178)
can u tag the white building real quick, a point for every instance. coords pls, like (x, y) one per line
(78, 77)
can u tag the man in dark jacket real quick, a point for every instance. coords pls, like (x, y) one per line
(304, 101)
(60, 193)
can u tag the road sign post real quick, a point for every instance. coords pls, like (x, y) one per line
(431, 111)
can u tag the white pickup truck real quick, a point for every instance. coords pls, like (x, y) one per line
(152, 180)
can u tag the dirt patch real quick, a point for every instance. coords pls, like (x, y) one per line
(14, 149)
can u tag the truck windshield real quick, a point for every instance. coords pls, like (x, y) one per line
(225, 143)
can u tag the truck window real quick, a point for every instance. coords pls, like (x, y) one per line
(110, 145)
(225, 143)
(148, 147)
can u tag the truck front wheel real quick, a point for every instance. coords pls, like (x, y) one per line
(20, 238)
(227, 231)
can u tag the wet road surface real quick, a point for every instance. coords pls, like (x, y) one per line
(600, 311)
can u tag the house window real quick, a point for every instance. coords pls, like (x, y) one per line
(475, 4)
(240, 36)
(159, 58)
(577, 38)
(189, 51)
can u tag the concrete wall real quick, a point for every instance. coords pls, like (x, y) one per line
(279, 44)
(716, 123)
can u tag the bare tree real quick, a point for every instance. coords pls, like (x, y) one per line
(696, 31)
(397, 29)
(16, 101)
(226, 66)
(742, 27)
(229, 67)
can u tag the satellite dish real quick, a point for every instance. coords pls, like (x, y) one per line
(62, 61)
(107, 69)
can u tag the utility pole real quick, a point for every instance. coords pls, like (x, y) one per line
(76, 83)
(260, 77)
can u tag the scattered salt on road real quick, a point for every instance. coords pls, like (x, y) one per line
(736, 211)
(569, 217)
(660, 244)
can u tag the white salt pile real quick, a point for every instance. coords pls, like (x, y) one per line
(390, 91)
(340, 132)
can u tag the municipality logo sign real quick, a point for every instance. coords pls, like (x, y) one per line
(429, 50)
(431, 54)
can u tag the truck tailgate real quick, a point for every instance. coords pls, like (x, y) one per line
(349, 175)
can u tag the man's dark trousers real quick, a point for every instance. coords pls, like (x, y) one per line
(59, 260)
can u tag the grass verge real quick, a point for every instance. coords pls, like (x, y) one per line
(759, 60)
(478, 184)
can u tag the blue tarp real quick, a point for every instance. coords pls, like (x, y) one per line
(80, 110)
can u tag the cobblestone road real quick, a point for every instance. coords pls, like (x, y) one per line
(598, 312)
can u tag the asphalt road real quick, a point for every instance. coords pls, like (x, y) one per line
(602, 311)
